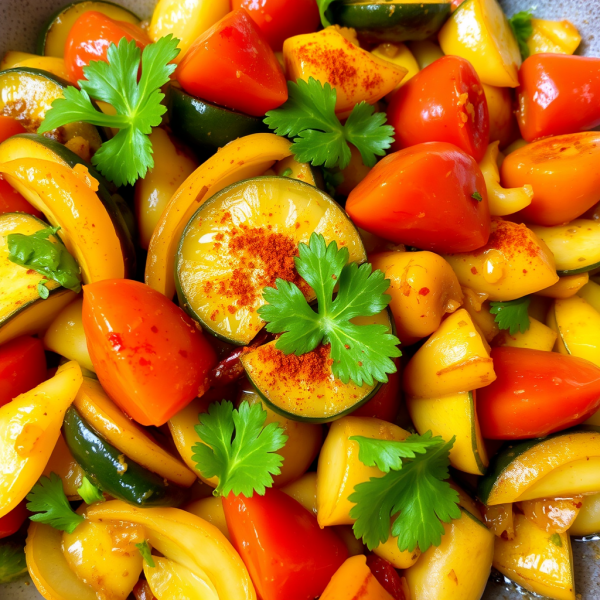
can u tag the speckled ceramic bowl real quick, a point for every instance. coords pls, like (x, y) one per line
(20, 23)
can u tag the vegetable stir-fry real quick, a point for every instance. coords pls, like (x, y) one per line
(300, 299)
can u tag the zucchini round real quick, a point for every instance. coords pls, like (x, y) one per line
(245, 237)
(391, 21)
(309, 392)
(33, 145)
(112, 471)
(27, 95)
(53, 37)
(207, 127)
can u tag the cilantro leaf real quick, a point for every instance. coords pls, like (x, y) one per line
(319, 137)
(12, 561)
(324, 12)
(556, 540)
(89, 492)
(48, 500)
(238, 448)
(512, 315)
(42, 290)
(477, 196)
(128, 155)
(418, 493)
(522, 28)
(53, 260)
(146, 552)
(387, 454)
(360, 353)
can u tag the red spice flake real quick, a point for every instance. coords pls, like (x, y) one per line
(297, 225)
(217, 246)
(31, 272)
(144, 362)
(226, 217)
(219, 237)
(311, 368)
(372, 82)
(524, 271)
(213, 316)
(474, 270)
(154, 329)
(231, 309)
(423, 291)
(510, 239)
(116, 341)
(207, 287)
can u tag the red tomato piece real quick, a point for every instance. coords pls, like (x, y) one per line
(281, 19)
(536, 393)
(11, 522)
(444, 102)
(233, 65)
(288, 555)
(388, 577)
(22, 367)
(558, 94)
(423, 196)
(149, 355)
(90, 37)
(12, 201)
(10, 127)
(386, 402)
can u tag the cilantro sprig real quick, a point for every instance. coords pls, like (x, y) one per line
(89, 492)
(51, 259)
(319, 137)
(146, 552)
(522, 28)
(361, 353)
(127, 156)
(512, 315)
(12, 561)
(413, 488)
(238, 448)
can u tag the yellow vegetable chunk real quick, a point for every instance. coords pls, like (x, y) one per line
(503, 125)
(424, 289)
(557, 37)
(588, 519)
(400, 55)
(454, 359)
(566, 286)
(449, 416)
(539, 562)
(66, 467)
(459, 567)
(185, 20)
(169, 580)
(104, 556)
(514, 263)
(29, 429)
(479, 32)
(537, 337)
(304, 491)
(478, 307)
(590, 292)
(13, 57)
(66, 337)
(502, 201)
(425, 52)
(353, 174)
(211, 510)
(172, 166)
(553, 515)
(52, 64)
(189, 541)
(328, 57)
(354, 580)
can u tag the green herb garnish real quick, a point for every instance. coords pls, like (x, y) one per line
(146, 552)
(12, 561)
(89, 492)
(522, 28)
(324, 11)
(477, 196)
(512, 315)
(555, 539)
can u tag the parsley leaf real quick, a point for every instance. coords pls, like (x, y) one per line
(556, 540)
(477, 196)
(42, 290)
(324, 12)
(53, 260)
(89, 492)
(12, 561)
(361, 353)
(146, 552)
(386, 454)
(418, 493)
(512, 315)
(522, 28)
(47, 498)
(238, 448)
(321, 139)
(127, 156)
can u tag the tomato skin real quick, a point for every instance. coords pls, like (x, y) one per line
(12, 201)
(386, 402)
(558, 94)
(9, 127)
(22, 367)
(90, 37)
(233, 65)
(281, 19)
(444, 102)
(422, 196)
(387, 576)
(536, 393)
(11, 522)
(563, 171)
(148, 354)
(288, 555)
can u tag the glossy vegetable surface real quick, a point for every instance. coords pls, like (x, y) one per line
(22, 367)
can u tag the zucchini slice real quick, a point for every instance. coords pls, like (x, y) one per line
(321, 399)
(391, 21)
(576, 245)
(22, 311)
(245, 237)
(207, 127)
(564, 464)
(51, 41)
(33, 145)
(112, 471)
(27, 94)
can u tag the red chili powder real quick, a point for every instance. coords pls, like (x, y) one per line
(312, 367)
(510, 239)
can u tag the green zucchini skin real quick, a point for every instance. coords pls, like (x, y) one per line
(392, 22)
(207, 127)
(100, 461)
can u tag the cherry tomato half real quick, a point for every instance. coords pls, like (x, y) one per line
(11, 522)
